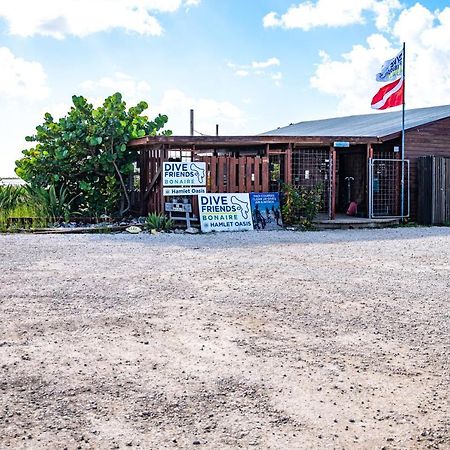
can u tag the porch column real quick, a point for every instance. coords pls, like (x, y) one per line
(332, 189)
(369, 156)
(288, 165)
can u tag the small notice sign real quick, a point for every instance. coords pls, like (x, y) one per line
(225, 212)
(341, 144)
(184, 174)
(182, 191)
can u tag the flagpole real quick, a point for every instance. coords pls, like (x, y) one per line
(402, 208)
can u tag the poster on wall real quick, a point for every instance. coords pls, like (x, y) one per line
(225, 212)
(184, 174)
(266, 210)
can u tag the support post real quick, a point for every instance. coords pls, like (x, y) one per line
(192, 122)
(369, 155)
(370, 180)
(402, 206)
(143, 182)
(288, 165)
(332, 187)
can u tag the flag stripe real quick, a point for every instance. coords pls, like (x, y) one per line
(389, 96)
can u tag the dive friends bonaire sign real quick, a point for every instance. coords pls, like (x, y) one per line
(225, 212)
(184, 174)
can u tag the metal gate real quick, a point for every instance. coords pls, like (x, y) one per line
(313, 167)
(385, 188)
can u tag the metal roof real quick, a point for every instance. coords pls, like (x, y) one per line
(370, 125)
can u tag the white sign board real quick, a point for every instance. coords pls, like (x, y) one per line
(184, 174)
(182, 191)
(225, 212)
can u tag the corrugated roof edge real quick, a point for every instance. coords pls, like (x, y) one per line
(375, 124)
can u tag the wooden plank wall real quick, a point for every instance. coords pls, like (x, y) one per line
(433, 175)
(427, 140)
(230, 174)
(150, 162)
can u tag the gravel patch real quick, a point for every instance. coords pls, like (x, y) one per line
(272, 340)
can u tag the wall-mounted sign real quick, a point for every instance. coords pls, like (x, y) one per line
(182, 191)
(184, 174)
(266, 211)
(225, 212)
(341, 144)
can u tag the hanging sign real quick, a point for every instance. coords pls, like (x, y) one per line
(225, 212)
(184, 174)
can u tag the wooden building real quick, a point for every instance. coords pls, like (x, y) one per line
(356, 158)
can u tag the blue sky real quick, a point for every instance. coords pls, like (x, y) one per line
(248, 65)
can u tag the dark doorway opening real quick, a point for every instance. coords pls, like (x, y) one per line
(352, 180)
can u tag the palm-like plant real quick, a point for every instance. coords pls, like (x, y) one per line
(158, 222)
(55, 204)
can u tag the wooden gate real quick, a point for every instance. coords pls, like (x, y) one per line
(433, 184)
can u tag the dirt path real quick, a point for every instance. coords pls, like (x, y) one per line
(251, 340)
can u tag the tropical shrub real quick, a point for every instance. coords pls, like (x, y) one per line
(85, 153)
(19, 210)
(54, 204)
(300, 205)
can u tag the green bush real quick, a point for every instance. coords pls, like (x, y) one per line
(19, 209)
(55, 204)
(32, 207)
(86, 152)
(300, 205)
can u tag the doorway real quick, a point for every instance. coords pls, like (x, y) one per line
(351, 177)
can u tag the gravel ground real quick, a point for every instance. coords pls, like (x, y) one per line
(277, 340)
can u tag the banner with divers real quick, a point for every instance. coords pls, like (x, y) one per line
(266, 210)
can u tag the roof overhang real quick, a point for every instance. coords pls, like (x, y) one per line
(236, 141)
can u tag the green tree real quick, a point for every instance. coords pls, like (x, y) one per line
(86, 153)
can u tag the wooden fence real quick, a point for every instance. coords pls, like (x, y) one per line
(243, 174)
(433, 182)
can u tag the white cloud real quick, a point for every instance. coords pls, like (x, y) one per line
(21, 78)
(265, 64)
(133, 90)
(80, 18)
(242, 73)
(259, 69)
(277, 77)
(427, 37)
(23, 84)
(332, 13)
(208, 112)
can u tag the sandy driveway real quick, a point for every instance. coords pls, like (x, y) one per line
(274, 340)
